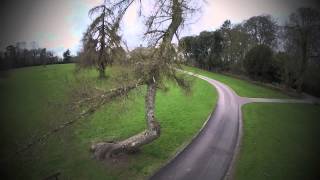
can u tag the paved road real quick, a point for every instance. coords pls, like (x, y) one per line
(211, 154)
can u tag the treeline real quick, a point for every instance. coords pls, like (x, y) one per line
(19, 56)
(263, 50)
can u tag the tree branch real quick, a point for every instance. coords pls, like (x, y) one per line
(103, 99)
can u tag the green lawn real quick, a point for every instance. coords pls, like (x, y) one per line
(241, 87)
(280, 141)
(36, 99)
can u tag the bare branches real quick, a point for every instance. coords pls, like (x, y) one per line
(96, 9)
(103, 95)
(166, 12)
(102, 38)
(97, 101)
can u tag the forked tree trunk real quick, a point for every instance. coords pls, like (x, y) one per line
(105, 150)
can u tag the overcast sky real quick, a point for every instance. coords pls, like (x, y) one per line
(59, 24)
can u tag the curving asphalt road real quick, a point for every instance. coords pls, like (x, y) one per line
(212, 153)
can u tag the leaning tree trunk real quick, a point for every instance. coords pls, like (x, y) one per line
(109, 149)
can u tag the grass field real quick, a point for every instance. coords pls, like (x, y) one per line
(241, 87)
(36, 99)
(280, 141)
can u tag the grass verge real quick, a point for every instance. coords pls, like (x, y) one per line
(241, 87)
(280, 141)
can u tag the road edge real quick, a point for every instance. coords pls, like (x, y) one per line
(185, 145)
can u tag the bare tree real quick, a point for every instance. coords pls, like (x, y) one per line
(162, 25)
(101, 38)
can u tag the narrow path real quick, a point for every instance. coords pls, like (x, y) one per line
(212, 153)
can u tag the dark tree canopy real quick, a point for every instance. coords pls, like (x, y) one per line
(302, 39)
(262, 29)
(67, 56)
(259, 63)
(16, 56)
(205, 49)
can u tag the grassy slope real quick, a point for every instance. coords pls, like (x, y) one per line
(280, 142)
(35, 100)
(241, 87)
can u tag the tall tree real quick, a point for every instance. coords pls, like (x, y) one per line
(240, 45)
(302, 38)
(227, 40)
(186, 46)
(205, 44)
(216, 51)
(102, 37)
(262, 29)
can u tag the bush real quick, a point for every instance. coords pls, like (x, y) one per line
(260, 65)
(311, 83)
(288, 68)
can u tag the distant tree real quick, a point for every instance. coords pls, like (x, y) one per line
(262, 30)
(3, 62)
(21, 45)
(187, 46)
(235, 44)
(227, 41)
(259, 64)
(219, 50)
(204, 50)
(240, 46)
(43, 56)
(67, 56)
(15, 57)
(303, 32)
(216, 51)
(205, 45)
(11, 56)
(226, 26)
